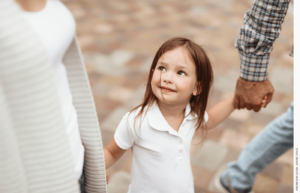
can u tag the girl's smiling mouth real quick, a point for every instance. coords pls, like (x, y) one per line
(166, 89)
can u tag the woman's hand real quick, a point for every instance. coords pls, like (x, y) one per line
(107, 177)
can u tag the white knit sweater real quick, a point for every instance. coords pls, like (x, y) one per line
(34, 152)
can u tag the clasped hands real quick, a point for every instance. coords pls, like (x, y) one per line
(252, 95)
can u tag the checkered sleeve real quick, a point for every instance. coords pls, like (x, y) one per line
(262, 25)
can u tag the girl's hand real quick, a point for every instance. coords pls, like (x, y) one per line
(263, 102)
(107, 177)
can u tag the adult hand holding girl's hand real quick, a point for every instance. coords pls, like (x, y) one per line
(249, 94)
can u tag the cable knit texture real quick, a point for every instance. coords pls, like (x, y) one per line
(34, 152)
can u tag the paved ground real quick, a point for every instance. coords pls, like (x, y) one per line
(119, 39)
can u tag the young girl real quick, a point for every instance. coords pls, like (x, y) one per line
(160, 130)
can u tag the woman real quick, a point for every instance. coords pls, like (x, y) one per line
(54, 120)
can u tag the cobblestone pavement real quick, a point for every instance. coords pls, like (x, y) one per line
(119, 39)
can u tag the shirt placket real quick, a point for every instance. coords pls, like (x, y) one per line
(181, 141)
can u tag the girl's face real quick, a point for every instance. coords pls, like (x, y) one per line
(174, 79)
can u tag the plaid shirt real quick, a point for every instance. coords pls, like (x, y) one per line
(262, 25)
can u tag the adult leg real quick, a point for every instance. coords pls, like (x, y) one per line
(268, 145)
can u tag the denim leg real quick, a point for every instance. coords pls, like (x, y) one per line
(268, 145)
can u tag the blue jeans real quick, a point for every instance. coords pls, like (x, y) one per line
(269, 144)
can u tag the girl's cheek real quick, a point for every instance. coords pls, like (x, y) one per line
(155, 78)
(184, 84)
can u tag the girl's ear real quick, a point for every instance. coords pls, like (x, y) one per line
(197, 90)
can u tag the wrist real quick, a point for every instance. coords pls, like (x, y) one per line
(108, 158)
(243, 81)
(254, 67)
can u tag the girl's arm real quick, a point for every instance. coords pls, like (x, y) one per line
(112, 153)
(219, 112)
(222, 110)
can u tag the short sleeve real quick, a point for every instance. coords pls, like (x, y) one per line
(205, 118)
(124, 136)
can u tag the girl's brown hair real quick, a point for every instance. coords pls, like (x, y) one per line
(204, 76)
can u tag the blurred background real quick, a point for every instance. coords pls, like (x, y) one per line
(119, 39)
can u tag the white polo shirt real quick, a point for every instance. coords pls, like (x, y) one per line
(161, 156)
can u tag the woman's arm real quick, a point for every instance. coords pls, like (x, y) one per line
(219, 112)
(112, 153)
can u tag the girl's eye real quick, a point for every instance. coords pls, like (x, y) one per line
(181, 73)
(162, 68)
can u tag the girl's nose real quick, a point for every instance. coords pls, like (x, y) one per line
(167, 77)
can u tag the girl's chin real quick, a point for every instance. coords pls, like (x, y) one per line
(171, 100)
(167, 100)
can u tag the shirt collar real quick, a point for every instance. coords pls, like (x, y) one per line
(187, 114)
(158, 122)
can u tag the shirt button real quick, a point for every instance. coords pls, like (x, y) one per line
(180, 151)
(181, 132)
(180, 142)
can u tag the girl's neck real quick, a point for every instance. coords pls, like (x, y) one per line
(173, 114)
(32, 5)
(175, 111)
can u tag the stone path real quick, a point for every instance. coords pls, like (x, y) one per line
(119, 39)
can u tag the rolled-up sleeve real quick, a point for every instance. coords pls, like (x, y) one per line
(262, 25)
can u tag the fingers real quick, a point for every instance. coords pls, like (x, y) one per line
(107, 177)
(249, 107)
(269, 99)
(270, 90)
(257, 105)
(242, 104)
(256, 108)
(263, 102)
(236, 102)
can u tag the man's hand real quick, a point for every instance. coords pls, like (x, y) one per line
(249, 94)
